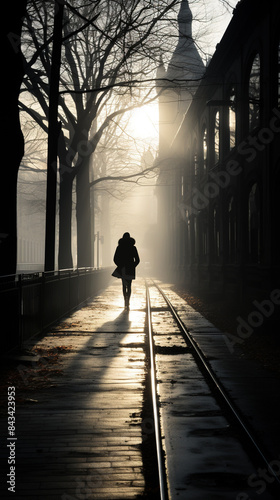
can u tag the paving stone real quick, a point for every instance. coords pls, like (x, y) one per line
(81, 439)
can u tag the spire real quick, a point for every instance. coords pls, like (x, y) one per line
(185, 20)
(186, 63)
(160, 74)
(161, 69)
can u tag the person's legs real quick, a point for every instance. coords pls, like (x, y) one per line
(126, 284)
(128, 290)
(124, 288)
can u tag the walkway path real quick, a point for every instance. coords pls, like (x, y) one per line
(79, 403)
(82, 438)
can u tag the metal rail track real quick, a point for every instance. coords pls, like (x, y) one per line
(160, 462)
(210, 376)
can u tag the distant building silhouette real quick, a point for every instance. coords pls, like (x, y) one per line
(177, 84)
(219, 182)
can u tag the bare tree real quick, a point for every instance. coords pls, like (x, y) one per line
(109, 49)
(12, 139)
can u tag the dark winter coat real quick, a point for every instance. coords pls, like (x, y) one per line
(126, 257)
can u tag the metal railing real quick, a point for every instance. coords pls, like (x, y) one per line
(31, 303)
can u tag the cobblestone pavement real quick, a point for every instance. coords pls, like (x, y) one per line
(79, 433)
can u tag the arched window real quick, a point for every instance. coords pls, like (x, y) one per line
(254, 232)
(204, 150)
(232, 232)
(217, 136)
(232, 118)
(254, 93)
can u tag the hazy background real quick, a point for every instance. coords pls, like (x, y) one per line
(117, 206)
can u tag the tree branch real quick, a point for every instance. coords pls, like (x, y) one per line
(123, 177)
(131, 82)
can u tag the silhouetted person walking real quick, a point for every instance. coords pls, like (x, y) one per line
(126, 258)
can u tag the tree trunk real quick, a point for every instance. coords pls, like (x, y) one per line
(65, 260)
(83, 213)
(12, 139)
(53, 135)
(8, 206)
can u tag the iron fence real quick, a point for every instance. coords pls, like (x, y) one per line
(31, 303)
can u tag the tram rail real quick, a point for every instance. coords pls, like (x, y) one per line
(220, 394)
(160, 461)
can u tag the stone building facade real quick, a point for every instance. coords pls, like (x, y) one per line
(219, 183)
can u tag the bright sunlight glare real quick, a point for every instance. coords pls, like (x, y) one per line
(143, 122)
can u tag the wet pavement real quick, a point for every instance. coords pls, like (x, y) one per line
(80, 437)
(79, 401)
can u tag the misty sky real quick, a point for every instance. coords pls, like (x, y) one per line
(210, 21)
(135, 211)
